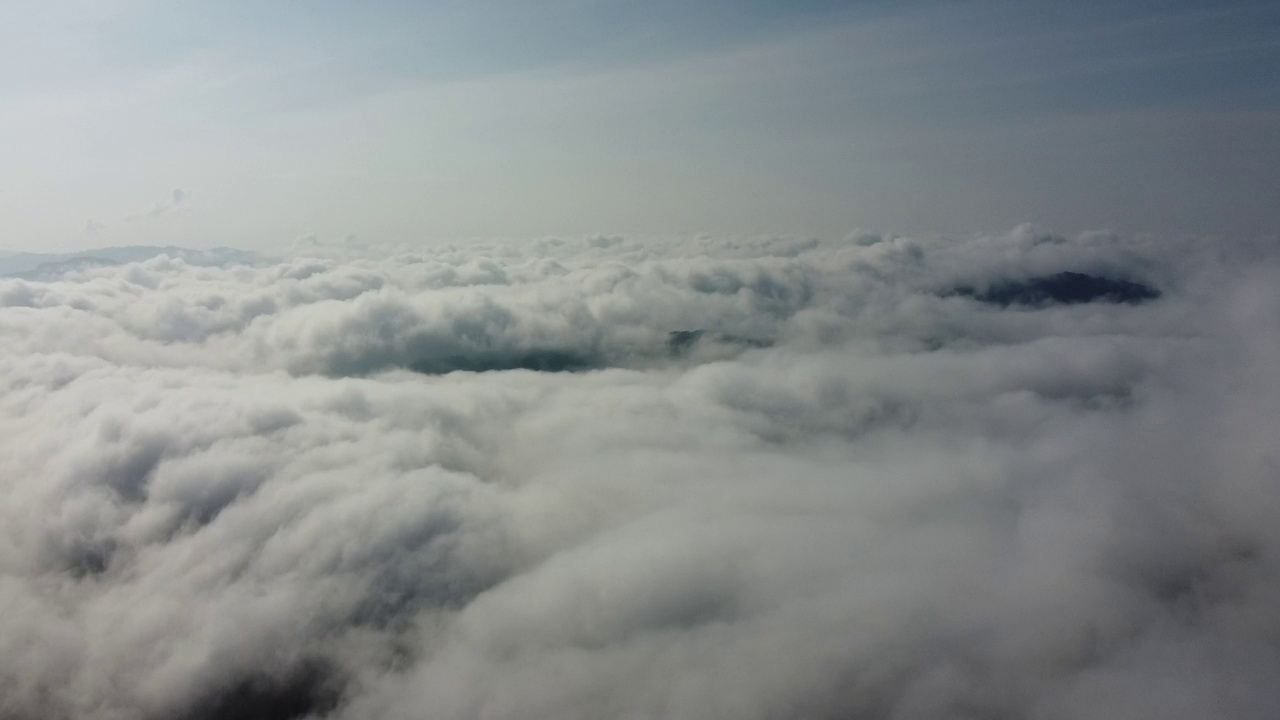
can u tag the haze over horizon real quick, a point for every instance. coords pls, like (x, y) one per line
(253, 125)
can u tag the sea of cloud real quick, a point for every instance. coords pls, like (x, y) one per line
(681, 478)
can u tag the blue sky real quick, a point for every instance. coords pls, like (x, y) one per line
(416, 122)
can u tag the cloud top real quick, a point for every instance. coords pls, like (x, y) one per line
(616, 477)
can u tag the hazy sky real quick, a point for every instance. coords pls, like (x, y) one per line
(253, 124)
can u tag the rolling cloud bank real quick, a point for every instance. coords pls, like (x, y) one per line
(1016, 476)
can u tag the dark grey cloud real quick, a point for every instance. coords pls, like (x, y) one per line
(614, 477)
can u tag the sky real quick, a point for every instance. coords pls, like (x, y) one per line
(254, 124)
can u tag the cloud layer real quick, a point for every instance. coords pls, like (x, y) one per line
(688, 478)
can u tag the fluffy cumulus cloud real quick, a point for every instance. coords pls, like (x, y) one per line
(616, 478)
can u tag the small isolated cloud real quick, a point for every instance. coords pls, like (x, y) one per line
(689, 478)
(176, 203)
(350, 246)
(92, 227)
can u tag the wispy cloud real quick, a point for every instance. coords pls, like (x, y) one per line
(92, 227)
(176, 203)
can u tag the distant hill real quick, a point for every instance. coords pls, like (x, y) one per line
(45, 266)
(1065, 288)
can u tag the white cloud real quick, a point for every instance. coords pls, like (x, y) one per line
(837, 491)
